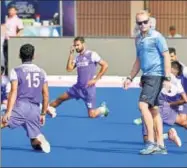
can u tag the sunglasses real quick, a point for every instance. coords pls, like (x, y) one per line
(143, 22)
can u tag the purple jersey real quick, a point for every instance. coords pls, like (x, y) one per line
(86, 66)
(30, 82)
(5, 88)
(175, 92)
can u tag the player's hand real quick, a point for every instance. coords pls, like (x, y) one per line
(72, 49)
(92, 82)
(127, 83)
(167, 85)
(6, 117)
(42, 120)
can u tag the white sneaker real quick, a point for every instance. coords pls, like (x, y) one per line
(44, 143)
(137, 121)
(104, 110)
(52, 111)
(173, 136)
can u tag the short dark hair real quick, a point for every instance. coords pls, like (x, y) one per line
(79, 38)
(27, 52)
(12, 7)
(172, 27)
(2, 69)
(172, 50)
(176, 65)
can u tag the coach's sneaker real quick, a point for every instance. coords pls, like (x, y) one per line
(44, 143)
(51, 111)
(149, 148)
(104, 110)
(160, 150)
(137, 121)
(173, 136)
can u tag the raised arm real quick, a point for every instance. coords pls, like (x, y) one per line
(71, 63)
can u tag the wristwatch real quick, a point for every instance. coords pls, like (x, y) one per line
(43, 114)
(128, 77)
(167, 78)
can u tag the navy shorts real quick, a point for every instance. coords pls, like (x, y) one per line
(151, 87)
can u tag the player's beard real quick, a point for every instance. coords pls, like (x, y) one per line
(79, 50)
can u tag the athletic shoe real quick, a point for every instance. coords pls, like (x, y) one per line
(44, 143)
(52, 111)
(160, 150)
(173, 136)
(149, 148)
(137, 121)
(104, 109)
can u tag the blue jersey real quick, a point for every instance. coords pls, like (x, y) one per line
(149, 50)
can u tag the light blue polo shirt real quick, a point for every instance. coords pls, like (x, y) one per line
(149, 50)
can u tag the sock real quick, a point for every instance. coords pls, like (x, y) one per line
(101, 110)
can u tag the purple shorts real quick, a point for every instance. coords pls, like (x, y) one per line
(168, 116)
(183, 109)
(27, 115)
(88, 95)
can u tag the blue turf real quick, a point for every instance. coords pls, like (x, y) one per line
(77, 140)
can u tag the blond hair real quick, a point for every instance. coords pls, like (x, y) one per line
(142, 12)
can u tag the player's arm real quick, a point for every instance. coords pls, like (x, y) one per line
(104, 66)
(45, 96)
(181, 91)
(8, 88)
(71, 62)
(182, 101)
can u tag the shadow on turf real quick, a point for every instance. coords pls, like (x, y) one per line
(129, 147)
(107, 150)
(71, 116)
(129, 150)
(12, 148)
(118, 142)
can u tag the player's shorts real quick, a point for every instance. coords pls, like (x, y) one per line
(183, 109)
(27, 115)
(151, 87)
(88, 95)
(168, 114)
